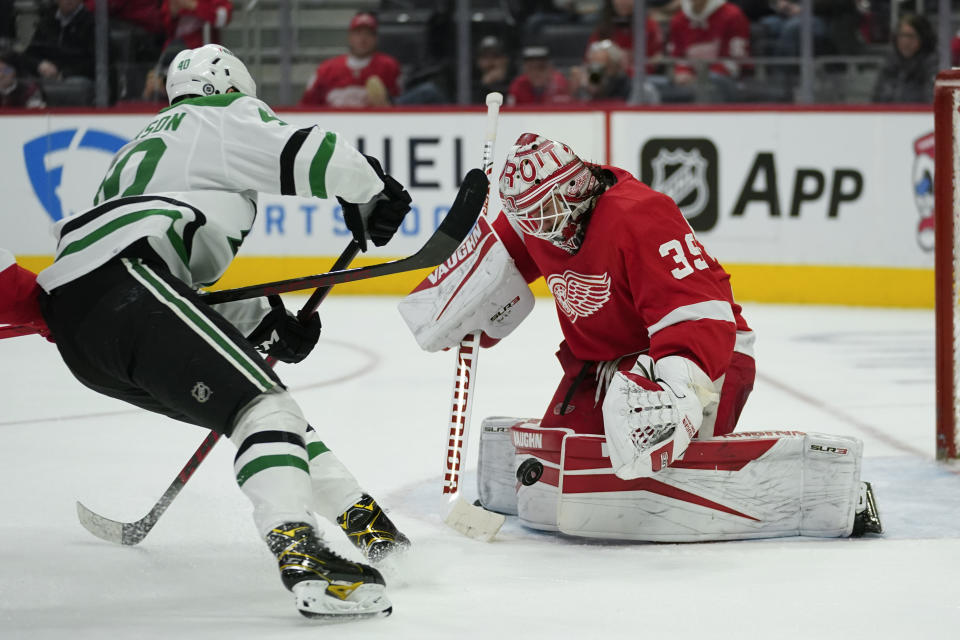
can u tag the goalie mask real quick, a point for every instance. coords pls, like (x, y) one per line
(547, 190)
(207, 70)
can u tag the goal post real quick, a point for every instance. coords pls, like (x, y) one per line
(947, 259)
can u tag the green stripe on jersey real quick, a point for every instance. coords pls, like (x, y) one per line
(316, 448)
(318, 166)
(122, 221)
(269, 462)
(203, 325)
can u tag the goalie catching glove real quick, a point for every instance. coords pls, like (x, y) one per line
(283, 336)
(380, 218)
(652, 412)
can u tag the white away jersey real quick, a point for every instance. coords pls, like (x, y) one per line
(189, 183)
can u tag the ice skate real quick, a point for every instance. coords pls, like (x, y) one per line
(371, 531)
(326, 586)
(867, 518)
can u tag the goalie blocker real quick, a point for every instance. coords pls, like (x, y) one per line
(479, 288)
(762, 484)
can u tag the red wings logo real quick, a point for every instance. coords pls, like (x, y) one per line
(577, 295)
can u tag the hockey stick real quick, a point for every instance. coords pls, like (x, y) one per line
(15, 330)
(131, 533)
(470, 520)
(451, 232)
(455, 226)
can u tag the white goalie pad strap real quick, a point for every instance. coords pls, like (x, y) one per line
(537, 473)
(740, 486)
(496, 473)
(831, 484)
(652, 412)
(479, 288)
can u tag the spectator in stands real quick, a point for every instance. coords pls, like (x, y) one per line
(836, 26)
(8, 24)
(493, 69)
(146, 14)
(955, 50)
(707, 30)
(155, 85)
(62, 44)
(616, 24)
(193, 23)
(363, 77)
(663, 10)
(911, 68)
(535, 14)
(755, 9)
(15, 92)
(605, 75)
(539, 82)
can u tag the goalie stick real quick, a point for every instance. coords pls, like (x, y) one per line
(470, 520)
(451, 232)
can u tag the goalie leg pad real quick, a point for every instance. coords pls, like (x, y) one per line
(496, 472)
(742, 486)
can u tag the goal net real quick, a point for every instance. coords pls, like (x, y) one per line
(947, 260)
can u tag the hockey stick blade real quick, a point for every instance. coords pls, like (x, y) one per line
(131, 533)
(125, 533)
(474, 521)
(456, 225)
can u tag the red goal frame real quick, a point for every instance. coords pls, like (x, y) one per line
(947, 257)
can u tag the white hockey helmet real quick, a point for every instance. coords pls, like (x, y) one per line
(207, 70)
(545, 188)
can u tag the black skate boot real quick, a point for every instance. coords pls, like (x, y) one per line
(867, 518)
(371, 531)
(326, 586)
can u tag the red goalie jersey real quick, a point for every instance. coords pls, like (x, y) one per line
(640, 282)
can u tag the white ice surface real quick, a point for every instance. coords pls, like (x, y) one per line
(382, 405)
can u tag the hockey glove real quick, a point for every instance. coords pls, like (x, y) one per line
(283, 336)
(380, 218)
(650, 414)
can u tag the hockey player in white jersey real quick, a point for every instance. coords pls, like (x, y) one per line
(121, 300)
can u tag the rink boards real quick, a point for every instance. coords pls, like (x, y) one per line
(824, 206)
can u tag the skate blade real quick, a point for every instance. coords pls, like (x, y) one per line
(366, 601)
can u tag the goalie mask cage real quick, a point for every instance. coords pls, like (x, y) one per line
(947, 259)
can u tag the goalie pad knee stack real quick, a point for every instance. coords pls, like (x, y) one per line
(479, 288)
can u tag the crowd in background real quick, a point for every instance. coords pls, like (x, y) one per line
(696, 51)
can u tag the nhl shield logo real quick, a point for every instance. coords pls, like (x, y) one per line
(682, 175)
(685, 169)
